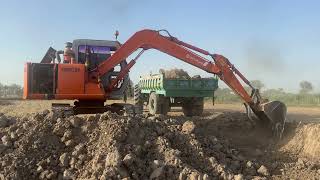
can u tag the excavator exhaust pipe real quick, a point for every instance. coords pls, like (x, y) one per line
(273, 115)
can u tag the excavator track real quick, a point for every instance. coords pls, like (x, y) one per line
(66, 110)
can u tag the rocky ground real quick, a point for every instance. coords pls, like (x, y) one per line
(224, 145)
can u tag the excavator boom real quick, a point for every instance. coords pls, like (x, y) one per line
(149, 39)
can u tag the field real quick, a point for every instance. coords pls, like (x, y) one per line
(223, 143)
(20, 108)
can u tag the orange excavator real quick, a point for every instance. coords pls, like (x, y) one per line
(93, 71)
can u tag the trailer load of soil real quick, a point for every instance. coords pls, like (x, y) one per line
(175, 74)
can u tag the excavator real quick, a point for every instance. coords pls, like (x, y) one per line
(93, 71)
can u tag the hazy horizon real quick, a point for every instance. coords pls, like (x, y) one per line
(275, 42)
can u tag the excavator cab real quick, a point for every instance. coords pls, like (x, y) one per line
(54, 78)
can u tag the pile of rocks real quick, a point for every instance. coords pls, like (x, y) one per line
(108, 146)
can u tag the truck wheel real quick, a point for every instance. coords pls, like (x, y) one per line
(165, 105)
(193, 107)
(154, 104)
(138, 100)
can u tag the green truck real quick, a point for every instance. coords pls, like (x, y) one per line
(160, 94)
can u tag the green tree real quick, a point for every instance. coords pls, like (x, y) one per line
(305, 87)
(225, 95)
(10, 91)
(257, 84)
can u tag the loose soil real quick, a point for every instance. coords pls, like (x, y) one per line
(221, 144)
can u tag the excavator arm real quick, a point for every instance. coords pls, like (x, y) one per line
(221, 66)
(149, 39)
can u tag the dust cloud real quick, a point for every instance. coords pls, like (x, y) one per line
(264, 57)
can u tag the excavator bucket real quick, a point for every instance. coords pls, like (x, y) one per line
(274, 114)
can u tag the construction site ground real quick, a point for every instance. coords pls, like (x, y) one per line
(223, 143)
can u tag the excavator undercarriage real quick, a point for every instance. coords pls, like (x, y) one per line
(92, 107)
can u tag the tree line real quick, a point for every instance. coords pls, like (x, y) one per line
(305, 96)
(10, 91)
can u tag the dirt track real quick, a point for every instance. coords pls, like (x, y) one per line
(223, 143)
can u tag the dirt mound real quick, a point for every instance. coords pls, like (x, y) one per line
(47, 146)
(175, 73)
(305, 141)
(109, 146)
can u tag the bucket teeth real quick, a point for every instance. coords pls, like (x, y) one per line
(271, 115)
(276, 112)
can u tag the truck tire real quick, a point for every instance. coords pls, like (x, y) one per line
(193, 106)
(165, 105)
(138, 100)
(158, 104)
(154, 104)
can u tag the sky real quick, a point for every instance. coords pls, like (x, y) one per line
(275, 41)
